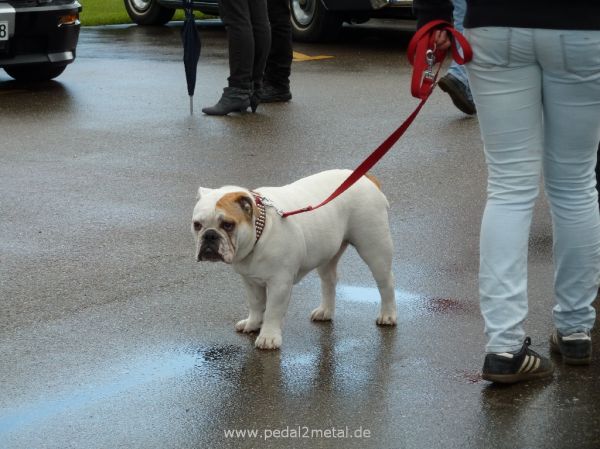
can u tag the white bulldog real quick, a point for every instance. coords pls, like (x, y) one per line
(271, 253)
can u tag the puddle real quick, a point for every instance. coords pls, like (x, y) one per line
(308, 359)
(409, 304)
(220, 353)
(209, 362)
(220, 362)
(300, 372)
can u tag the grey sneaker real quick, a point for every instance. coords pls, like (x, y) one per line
(576, 348)
(459, 93)
(511, 367)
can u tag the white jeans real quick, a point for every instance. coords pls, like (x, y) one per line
(537, 94)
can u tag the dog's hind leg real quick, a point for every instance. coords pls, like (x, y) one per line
(328, 275)
(377, 254)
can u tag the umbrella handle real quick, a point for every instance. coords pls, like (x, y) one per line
(189, 13)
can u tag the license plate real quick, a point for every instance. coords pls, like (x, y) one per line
(4, 31)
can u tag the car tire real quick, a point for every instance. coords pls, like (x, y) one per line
(311, 22)
(35, 72)
(148, 12)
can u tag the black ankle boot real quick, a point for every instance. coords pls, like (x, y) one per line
(254, 101)
(255, 96)
(233, 99)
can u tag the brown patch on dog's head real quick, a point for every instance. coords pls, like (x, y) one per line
(237, 206)
(373, 179)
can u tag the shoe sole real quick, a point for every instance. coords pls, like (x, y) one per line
(569, 360)
(514, 378)
(455, 95)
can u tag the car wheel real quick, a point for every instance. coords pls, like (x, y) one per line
(311, 22)
(35, 72)
(148, 12)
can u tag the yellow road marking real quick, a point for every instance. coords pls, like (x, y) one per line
(298, 57)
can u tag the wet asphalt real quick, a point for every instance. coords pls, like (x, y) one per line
(112, 336)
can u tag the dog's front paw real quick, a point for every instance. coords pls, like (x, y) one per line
(247, 326)
(387, 319)
(321, 314)
(270, 340)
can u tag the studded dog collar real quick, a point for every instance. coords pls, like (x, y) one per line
(259, 222)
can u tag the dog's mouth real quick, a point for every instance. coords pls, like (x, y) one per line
(210, 254)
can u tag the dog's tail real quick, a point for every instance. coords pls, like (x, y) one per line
(373, 179)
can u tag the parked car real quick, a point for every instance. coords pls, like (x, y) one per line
(312, 20)
(38, 38)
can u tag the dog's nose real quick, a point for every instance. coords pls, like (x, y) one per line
(211, 236)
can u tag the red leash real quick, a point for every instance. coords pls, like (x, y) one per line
(423, 56)
(421, 49)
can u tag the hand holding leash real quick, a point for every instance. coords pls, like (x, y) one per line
(442, 40)
(433, 39)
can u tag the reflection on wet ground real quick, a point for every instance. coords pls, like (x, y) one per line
(132, 375)
(298, 371)
(329, 366)
(21, 99)
(338, 370)
(412, 304)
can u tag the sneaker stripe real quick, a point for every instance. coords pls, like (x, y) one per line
(525, 365)
(532, 360)
(536, 365)
(531, 365)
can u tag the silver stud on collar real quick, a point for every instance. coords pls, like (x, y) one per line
(259, 222)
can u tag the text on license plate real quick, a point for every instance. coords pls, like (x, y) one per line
(3, 31)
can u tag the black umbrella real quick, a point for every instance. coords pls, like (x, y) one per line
(191, 49)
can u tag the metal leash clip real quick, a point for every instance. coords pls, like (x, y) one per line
(430, 58)
(267, 202)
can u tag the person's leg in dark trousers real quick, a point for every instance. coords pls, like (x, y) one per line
(262, 45)
(279, 63)
(240, 18)
(235, 15)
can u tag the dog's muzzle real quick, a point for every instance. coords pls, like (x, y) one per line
(209, 249)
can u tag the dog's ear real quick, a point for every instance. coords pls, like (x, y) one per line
(202, 191)
(247, 205)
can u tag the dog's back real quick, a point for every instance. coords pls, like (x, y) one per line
(313, 189)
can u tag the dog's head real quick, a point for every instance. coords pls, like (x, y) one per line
(223, 224)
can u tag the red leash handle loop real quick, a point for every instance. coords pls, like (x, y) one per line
(422, 82)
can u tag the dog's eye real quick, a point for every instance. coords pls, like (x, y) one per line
(228, 226)
(197, 226)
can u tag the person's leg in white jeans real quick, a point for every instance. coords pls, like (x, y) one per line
(508, 97)
(571, 86)
(508, 84)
